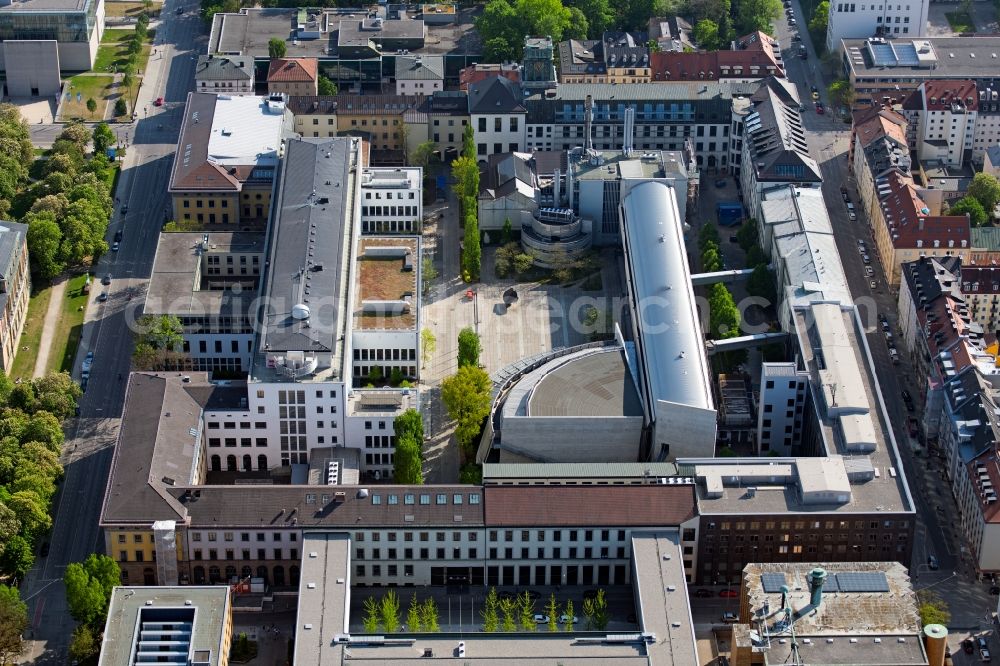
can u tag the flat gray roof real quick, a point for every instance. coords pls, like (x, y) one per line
(206, 608)
(497, 473)
(597, 384)
(324, 598)
(48, 6)
(925, 57)
(661, 596)
(177, 285)
(309, 248)
(537, 649)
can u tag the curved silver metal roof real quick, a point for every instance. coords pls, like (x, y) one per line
(671, 343)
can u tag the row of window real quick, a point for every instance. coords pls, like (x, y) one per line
(755, 525)
(411, 195)
(394, 211)
(425, 498)
(245, 554)
(244, 536)
(385, 354)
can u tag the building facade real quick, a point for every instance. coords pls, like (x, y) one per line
(15, 288)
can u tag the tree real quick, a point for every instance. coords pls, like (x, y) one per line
(600, 16)
(569, 613)
(276, 48)
(84, 645)
(985, 189)
(121, 108)
(755, 256)
(467, 396)
(162, 332)
(469, 143)
(91, 104)
(389, 612)
(932, 608)
(423, 154)
(761, 284)
(472, 251)
(526, 609)
(820, 19)
(372, 616)
(17, 558)
(88, 588)
(409, 424)
(471, 473)
(326, 87)
(491, 620)
(413, 614)
(747, 235)
(428, 273)
(708, 234)
(507, 232)
(841, 92)
(596, 611)
(754, 15)
(465, 171)
(428, 345)
(103, 138)
(970, 206)
(429, 616)
(469, 347)
(552, 610)
(724, 318)
(13, 622)
(407, 462)
(578, 26)
(44, 239)
(706, 34)
(507, 606)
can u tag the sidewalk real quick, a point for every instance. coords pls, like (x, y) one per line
(49, 327)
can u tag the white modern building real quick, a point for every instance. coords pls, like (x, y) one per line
(781, 409)
(941, 117)
(391, 200)
(878, 18)
(497, 114)
(419, 75)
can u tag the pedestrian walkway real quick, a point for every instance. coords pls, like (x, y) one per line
(49, 327)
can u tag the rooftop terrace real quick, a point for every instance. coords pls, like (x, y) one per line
(387, 272)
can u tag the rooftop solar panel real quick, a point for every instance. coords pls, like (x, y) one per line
(772, 582)
(858, 581)
(906, 55)
(882, 55)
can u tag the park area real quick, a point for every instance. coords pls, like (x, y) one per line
(83, 87)
(113, 54)
(960, 21)
(65, 337)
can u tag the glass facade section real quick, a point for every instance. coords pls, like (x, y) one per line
(20, 22)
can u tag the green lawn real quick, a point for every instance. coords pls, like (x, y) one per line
(24, 361)
(96, 86)
(67, 336)
(960, 21)
(113, 52)
(120, 9)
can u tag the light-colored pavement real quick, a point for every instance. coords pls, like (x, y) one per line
(49, 327)
(90, 440)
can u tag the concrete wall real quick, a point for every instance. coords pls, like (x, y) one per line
(573, 439)
(32, 68)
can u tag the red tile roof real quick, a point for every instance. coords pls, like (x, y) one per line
(872, 123)
(293, 70)
(530, 506)
(940, 95)
(481, 72)
(712, 65)
(909, 225)
(980, 279)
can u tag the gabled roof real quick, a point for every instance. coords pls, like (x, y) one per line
(293, 70)
(943, 95)
(910, 226)
(496, 95)
(713, 65)
(224, 68)
(420, 68)
(776, 138)
(478, 72)
(625, 506)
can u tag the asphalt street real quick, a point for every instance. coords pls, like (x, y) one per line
(89, 446)
(937, 530)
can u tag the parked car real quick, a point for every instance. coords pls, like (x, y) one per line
(721, 182)
(791, 21)
(102, 297)
(815, 92)
(115, 246)
(796, 38)
(729, 594)
(984, 655)
(106, 280)
(541, 619)
(932, 563)
(852, 217)
(850, 206)
(869, 271)
(843, 193)
(566, 619)
(865, 258)
(45, 549)
(734, 239)
(872, 284)
(125, 209)
(730, 617)
(911, 426)
(819, 108)
(702, 593)
(119, 234)
(861, 244)
(968, 646)
(995, 590)
(180, 10)
(982, 642)
(158, 101)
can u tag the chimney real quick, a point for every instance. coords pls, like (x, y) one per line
(569, 182)
(935, 642)
(816, 578)
(588, 121)
(556, 189)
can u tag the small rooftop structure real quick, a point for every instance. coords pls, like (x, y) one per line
(168, 625)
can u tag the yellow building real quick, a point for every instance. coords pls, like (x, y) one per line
(226, 160)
